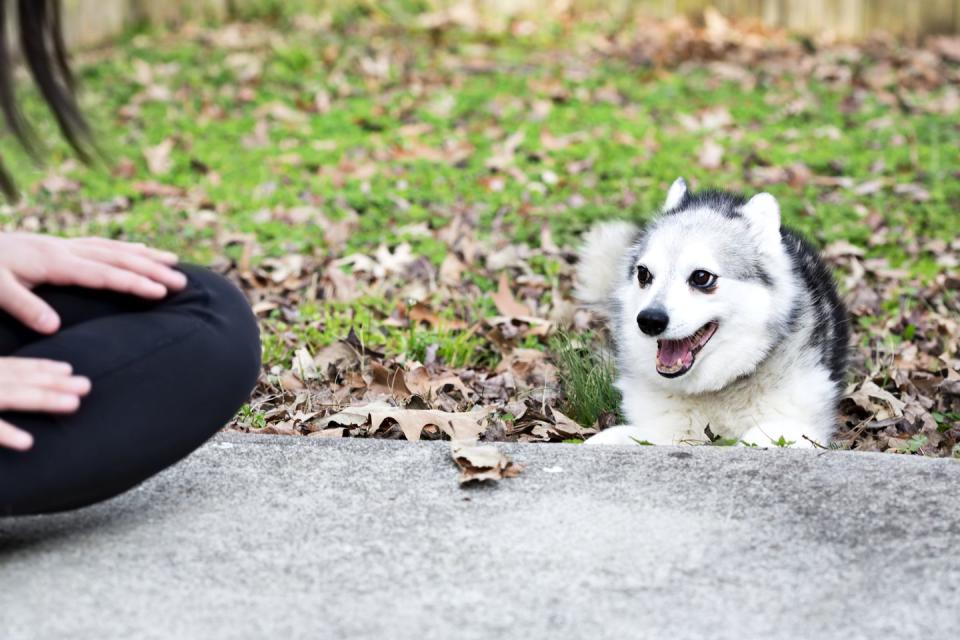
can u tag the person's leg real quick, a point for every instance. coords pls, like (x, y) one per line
(75, 305)
(165, 378)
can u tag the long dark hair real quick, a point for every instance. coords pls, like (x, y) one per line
(41, 45)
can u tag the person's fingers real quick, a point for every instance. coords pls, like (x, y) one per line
(25, 306)
(137, 248)
(30, 398)
(74, 385)
(97, 275)
(136, 263)
(13, 438)
(15, 366)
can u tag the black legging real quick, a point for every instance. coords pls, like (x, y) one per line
(166, 376)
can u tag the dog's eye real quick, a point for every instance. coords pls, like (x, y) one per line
(644, 277)
(702, 279)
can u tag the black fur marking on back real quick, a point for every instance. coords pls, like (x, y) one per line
(831, 332)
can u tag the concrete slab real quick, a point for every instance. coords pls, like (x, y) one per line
(266, 536)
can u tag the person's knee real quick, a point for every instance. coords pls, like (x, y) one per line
(233, 347)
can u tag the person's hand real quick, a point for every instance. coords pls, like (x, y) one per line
(31, 384)
(29, 260)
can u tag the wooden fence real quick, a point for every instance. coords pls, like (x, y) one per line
(90, 22)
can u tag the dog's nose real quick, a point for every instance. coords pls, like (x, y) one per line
(653, 321)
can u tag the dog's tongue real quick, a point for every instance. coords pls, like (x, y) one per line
(674, 354)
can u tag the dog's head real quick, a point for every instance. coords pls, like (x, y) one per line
(709, 290)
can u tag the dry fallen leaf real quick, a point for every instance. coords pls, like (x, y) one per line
(421, 312)
(506, 304)
(874, 400)
(457, 426)
(711, 154)
(390, 381)
(158, 158)
(479, 463)
(151, 189)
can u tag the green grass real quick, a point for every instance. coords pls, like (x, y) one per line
(587, 373)
(627, 144)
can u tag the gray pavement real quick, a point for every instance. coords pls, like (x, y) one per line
(273, 537)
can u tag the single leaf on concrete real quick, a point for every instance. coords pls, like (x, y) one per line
(479, 463)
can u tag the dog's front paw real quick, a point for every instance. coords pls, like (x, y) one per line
(620, 435)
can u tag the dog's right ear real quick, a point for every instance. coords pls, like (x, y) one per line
(677, 190)
(763, 213)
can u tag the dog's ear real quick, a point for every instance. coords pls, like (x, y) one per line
(763, 214)
(677, 190)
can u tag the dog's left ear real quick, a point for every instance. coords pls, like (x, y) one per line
(677, 190)
(763, 214)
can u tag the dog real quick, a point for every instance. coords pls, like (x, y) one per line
(724, 324)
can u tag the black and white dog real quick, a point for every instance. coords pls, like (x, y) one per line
(721, 317)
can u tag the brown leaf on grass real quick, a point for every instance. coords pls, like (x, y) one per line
(412, 422)
(125, 168)
(479, 463)
(506, 304)
(451, 270)
(874, 401)
(421, 312)
(56, 183)
(542, 423)
(282, 113)
(152, 189)
(528, 365)
(427, 385)
(390, 381)
(336, 357)
(503, 155)
(355, 416)
(303, 365)
(796, 175)
(158, 158)
(711, 154)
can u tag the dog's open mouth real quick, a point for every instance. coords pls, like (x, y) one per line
(675, 357)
